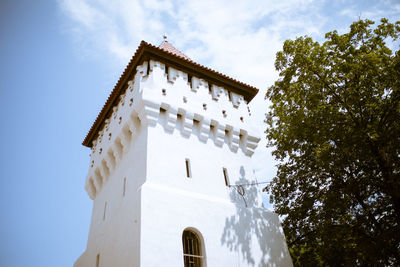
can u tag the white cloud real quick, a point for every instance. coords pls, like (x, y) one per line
(389, 9)
(239, 38)
(214, 26)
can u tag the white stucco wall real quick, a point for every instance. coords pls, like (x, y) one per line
(159, 122)
(117, 237)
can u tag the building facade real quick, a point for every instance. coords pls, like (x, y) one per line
(170, 173)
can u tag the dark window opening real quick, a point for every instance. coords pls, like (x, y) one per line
(97, 260)
(226, 176)
(192, 252)
(188, 171)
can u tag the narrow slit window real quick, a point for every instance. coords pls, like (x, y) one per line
(105, 208)
(225, 171)
(124, 187)
(188, 171)
(97, 260)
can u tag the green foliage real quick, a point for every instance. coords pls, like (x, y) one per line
(334, 124)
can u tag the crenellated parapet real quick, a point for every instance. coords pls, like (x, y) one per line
(160, 94)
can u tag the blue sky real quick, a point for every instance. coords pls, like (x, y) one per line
(59, 61)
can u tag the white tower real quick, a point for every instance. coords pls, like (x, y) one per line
(171, 176)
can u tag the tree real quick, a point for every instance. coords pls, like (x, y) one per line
(334, 124)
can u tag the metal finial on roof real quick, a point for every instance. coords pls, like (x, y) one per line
(165, 37)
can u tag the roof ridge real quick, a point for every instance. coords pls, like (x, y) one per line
(124, 76)
(167, 46)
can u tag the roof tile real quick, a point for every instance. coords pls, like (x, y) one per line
(166, 48)
(171, 49)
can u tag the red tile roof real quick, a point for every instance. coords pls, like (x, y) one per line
(171, 49)
(171, 56)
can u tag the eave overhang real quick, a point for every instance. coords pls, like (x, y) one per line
(145, 52)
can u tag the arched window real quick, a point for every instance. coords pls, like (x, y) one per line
(192, 250)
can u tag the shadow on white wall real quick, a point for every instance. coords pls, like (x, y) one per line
(251, 225)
